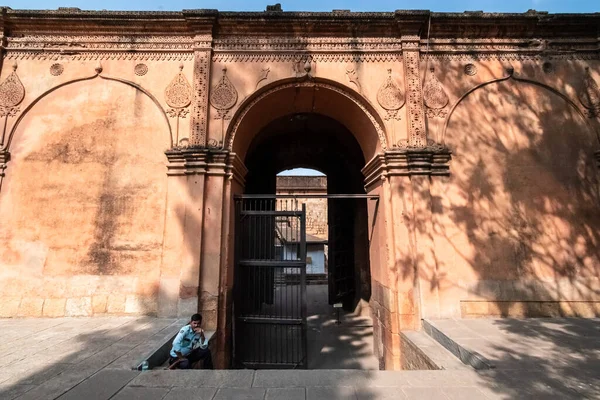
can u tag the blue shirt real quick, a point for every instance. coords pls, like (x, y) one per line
(186, 341)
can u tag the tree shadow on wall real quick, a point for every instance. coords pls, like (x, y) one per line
(517, 227)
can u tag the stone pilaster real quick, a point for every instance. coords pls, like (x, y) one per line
(406, 213)
(202, 62)
(417, 135)
(180, 269)
(212, 231)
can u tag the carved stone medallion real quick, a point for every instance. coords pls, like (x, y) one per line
(390, 97)
(470, 69)
(12, 91)
(434, 97)
(140, 69)
(56, 69)
(179, 92)
(223, 96)
(590, 95)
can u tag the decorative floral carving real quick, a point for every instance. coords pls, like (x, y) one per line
(177, 112)
(434, 97)
(470, 69)
(178, 95)
(590, 95)
(416, 114)
(390, 97)
(353, 76)
(263, 75)
(302, 65)
(223, 96)
(179, 92)
(12, 93)
(56, 69)
(200, 107)
(140, 69)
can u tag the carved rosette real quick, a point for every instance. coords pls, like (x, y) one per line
(178, 96)
(390, 97)
(179, 92)
(435, 97)
(223, 96)
(12, 93)
(590, 95)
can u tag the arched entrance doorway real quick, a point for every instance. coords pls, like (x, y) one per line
(304, 124)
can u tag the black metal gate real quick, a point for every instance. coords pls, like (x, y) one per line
(270, 283)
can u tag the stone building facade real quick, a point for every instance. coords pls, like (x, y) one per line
(316, 207)
(126, 135)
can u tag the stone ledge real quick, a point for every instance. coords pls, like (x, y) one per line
(421, 352)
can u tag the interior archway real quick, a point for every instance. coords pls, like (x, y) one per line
(314, 140)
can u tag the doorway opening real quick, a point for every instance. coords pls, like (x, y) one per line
(336, 273)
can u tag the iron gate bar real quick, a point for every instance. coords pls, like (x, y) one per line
(272, 263)
(275, 213)
(270, 324)
(307, 196)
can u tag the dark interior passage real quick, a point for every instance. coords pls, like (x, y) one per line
(319, 142)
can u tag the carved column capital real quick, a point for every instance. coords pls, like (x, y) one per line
(433, 160)
(4, 158)
(202, 161)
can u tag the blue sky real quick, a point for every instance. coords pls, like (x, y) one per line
(553, 6)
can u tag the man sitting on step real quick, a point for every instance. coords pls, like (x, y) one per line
(190, 347)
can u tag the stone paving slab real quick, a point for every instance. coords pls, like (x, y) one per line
(100, 386)
(537, 360)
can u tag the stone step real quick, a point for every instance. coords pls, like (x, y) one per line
(467, 356)
(422, 352)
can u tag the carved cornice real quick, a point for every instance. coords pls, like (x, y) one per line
(321, 49)
(512, 49)
(95, 47)
(433, 160)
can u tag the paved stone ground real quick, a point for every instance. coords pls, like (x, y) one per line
(91, 359)
(348, 345)
(43, 358)
(560, 353)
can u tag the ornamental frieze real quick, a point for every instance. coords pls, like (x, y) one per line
(104, 55)
(317, 57)
(323, 44)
